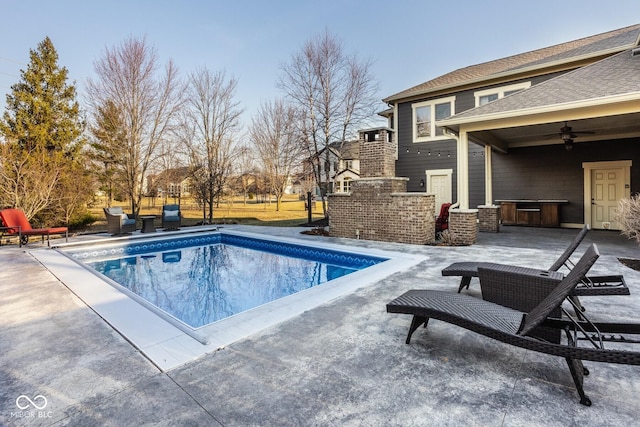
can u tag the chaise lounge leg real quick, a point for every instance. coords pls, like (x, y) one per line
(578, 372)
(415, 324)
(465, 281)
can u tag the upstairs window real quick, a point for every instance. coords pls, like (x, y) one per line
(425, 115)
(486, 96)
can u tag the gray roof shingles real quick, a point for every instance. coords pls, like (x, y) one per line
(615, 75)
(623, 38)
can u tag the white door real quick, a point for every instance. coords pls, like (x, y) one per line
(607, 188)
(439, 184)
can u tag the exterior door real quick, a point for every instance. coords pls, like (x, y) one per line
(439, 184)
(607, 188)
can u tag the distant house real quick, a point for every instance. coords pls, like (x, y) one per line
(343, 166)
(559, 123)
(172, 183)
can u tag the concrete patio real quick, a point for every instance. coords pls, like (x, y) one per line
(341, 364)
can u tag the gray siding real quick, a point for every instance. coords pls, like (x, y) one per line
(413, 165)
(547, 172)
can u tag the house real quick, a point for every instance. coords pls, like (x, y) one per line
(342, 165)
(559, 124)
(348, 167)
(174, 182)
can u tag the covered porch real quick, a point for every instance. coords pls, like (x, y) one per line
(573, 138)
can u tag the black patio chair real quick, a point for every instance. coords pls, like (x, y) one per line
(171, 217)
(589, 286)
(521, 327)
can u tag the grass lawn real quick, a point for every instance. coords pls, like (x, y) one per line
(291, 213)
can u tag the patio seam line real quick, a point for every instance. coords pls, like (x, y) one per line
(193, 398)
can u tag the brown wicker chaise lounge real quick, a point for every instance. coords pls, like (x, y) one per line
(591, 285)
(521, 327)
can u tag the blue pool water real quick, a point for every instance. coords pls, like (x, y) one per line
(202, 279)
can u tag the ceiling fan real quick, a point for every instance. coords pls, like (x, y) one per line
(567, 135)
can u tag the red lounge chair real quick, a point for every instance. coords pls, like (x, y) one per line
(442, 221)
(15, 222)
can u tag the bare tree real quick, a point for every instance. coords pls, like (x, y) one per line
(273, 133)
(211, 122)
(146, 103)
(335, 93)
(245, 167)
(28, 178)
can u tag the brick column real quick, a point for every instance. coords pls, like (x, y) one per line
(489, 216)
(463, 224)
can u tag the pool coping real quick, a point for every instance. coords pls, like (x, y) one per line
(168, 346)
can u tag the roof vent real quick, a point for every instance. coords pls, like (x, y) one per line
(635, 52)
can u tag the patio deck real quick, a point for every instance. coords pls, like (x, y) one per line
(344, 363)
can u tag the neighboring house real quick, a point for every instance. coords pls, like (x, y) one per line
(561, 123)
(170, 183)
(343, 166)
(348, 167)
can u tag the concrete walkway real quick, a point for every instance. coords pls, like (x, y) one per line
(341, 364)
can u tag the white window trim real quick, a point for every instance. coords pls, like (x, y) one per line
(433, 102)
(500, 90)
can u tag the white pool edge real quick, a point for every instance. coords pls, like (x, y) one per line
(167, 346)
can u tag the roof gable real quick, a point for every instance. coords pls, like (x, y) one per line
(565, 53)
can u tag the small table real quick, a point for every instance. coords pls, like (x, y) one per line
(147, 224)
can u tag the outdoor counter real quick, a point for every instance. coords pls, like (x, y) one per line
(531, 212)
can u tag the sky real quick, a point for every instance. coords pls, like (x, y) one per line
(408, 41)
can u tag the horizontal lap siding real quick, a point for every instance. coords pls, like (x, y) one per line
(551, 172)
(413, 165)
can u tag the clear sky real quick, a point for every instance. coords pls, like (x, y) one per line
(409, 41)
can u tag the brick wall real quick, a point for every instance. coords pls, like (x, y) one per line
(377, 154)
(489, 218)
(463, 225)
(380, 209)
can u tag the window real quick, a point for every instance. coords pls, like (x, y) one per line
(346, 185)
(348, 164)
(425, 115)
(486, 96)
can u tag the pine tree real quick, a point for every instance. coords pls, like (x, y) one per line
(42, 132)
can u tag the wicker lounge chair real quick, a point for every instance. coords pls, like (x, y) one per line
(15, 223)
(520, 327)
(119, 222)
(171, 217)
(592, 285)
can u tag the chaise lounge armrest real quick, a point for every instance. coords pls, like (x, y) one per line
(516, 287)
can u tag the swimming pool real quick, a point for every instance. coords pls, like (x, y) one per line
(202, 279)
(169, 343)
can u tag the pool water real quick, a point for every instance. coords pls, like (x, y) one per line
(200, 281)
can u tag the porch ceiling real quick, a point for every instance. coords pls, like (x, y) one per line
(513, 135)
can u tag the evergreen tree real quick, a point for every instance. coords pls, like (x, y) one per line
(42, 132)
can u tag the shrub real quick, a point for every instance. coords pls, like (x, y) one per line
(628, 216)
(82, 221)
